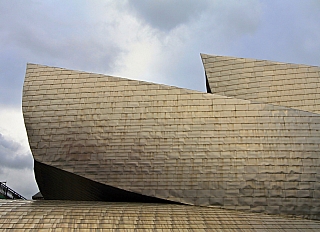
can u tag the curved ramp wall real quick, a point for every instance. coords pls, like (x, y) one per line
(172, 143)
(291, 85)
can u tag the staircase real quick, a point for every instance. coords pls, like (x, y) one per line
(8, 193)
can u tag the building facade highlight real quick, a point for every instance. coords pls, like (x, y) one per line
(98, 137)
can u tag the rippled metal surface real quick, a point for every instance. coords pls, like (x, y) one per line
(71, 215)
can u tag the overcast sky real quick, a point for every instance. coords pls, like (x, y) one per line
(157, 41)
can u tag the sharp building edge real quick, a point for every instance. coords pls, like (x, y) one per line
(292, 85)
(151, 142)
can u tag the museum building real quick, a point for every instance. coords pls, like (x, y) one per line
(249, 144)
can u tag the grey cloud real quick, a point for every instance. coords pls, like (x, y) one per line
(11, 79)
(315, 4)
(12, 155)
(211, 28)
(52, 34)
(289, 33)
(241, 18)
(20, 180)
(229, 20)
(234, 17)
(168, 14)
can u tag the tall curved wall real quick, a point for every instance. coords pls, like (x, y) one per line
(292, 85)
(172, 143)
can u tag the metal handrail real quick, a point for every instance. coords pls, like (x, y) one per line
(10, 193)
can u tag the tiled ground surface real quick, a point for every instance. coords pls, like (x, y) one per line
(292, 85)
(173, 143)
(103, 216)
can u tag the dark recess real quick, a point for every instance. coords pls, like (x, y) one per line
(57, 184)
(208, 86)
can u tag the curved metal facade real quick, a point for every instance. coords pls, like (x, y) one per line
(292, 85)
(25, 216)
(174, 144)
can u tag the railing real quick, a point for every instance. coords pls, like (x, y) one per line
(9, 193)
